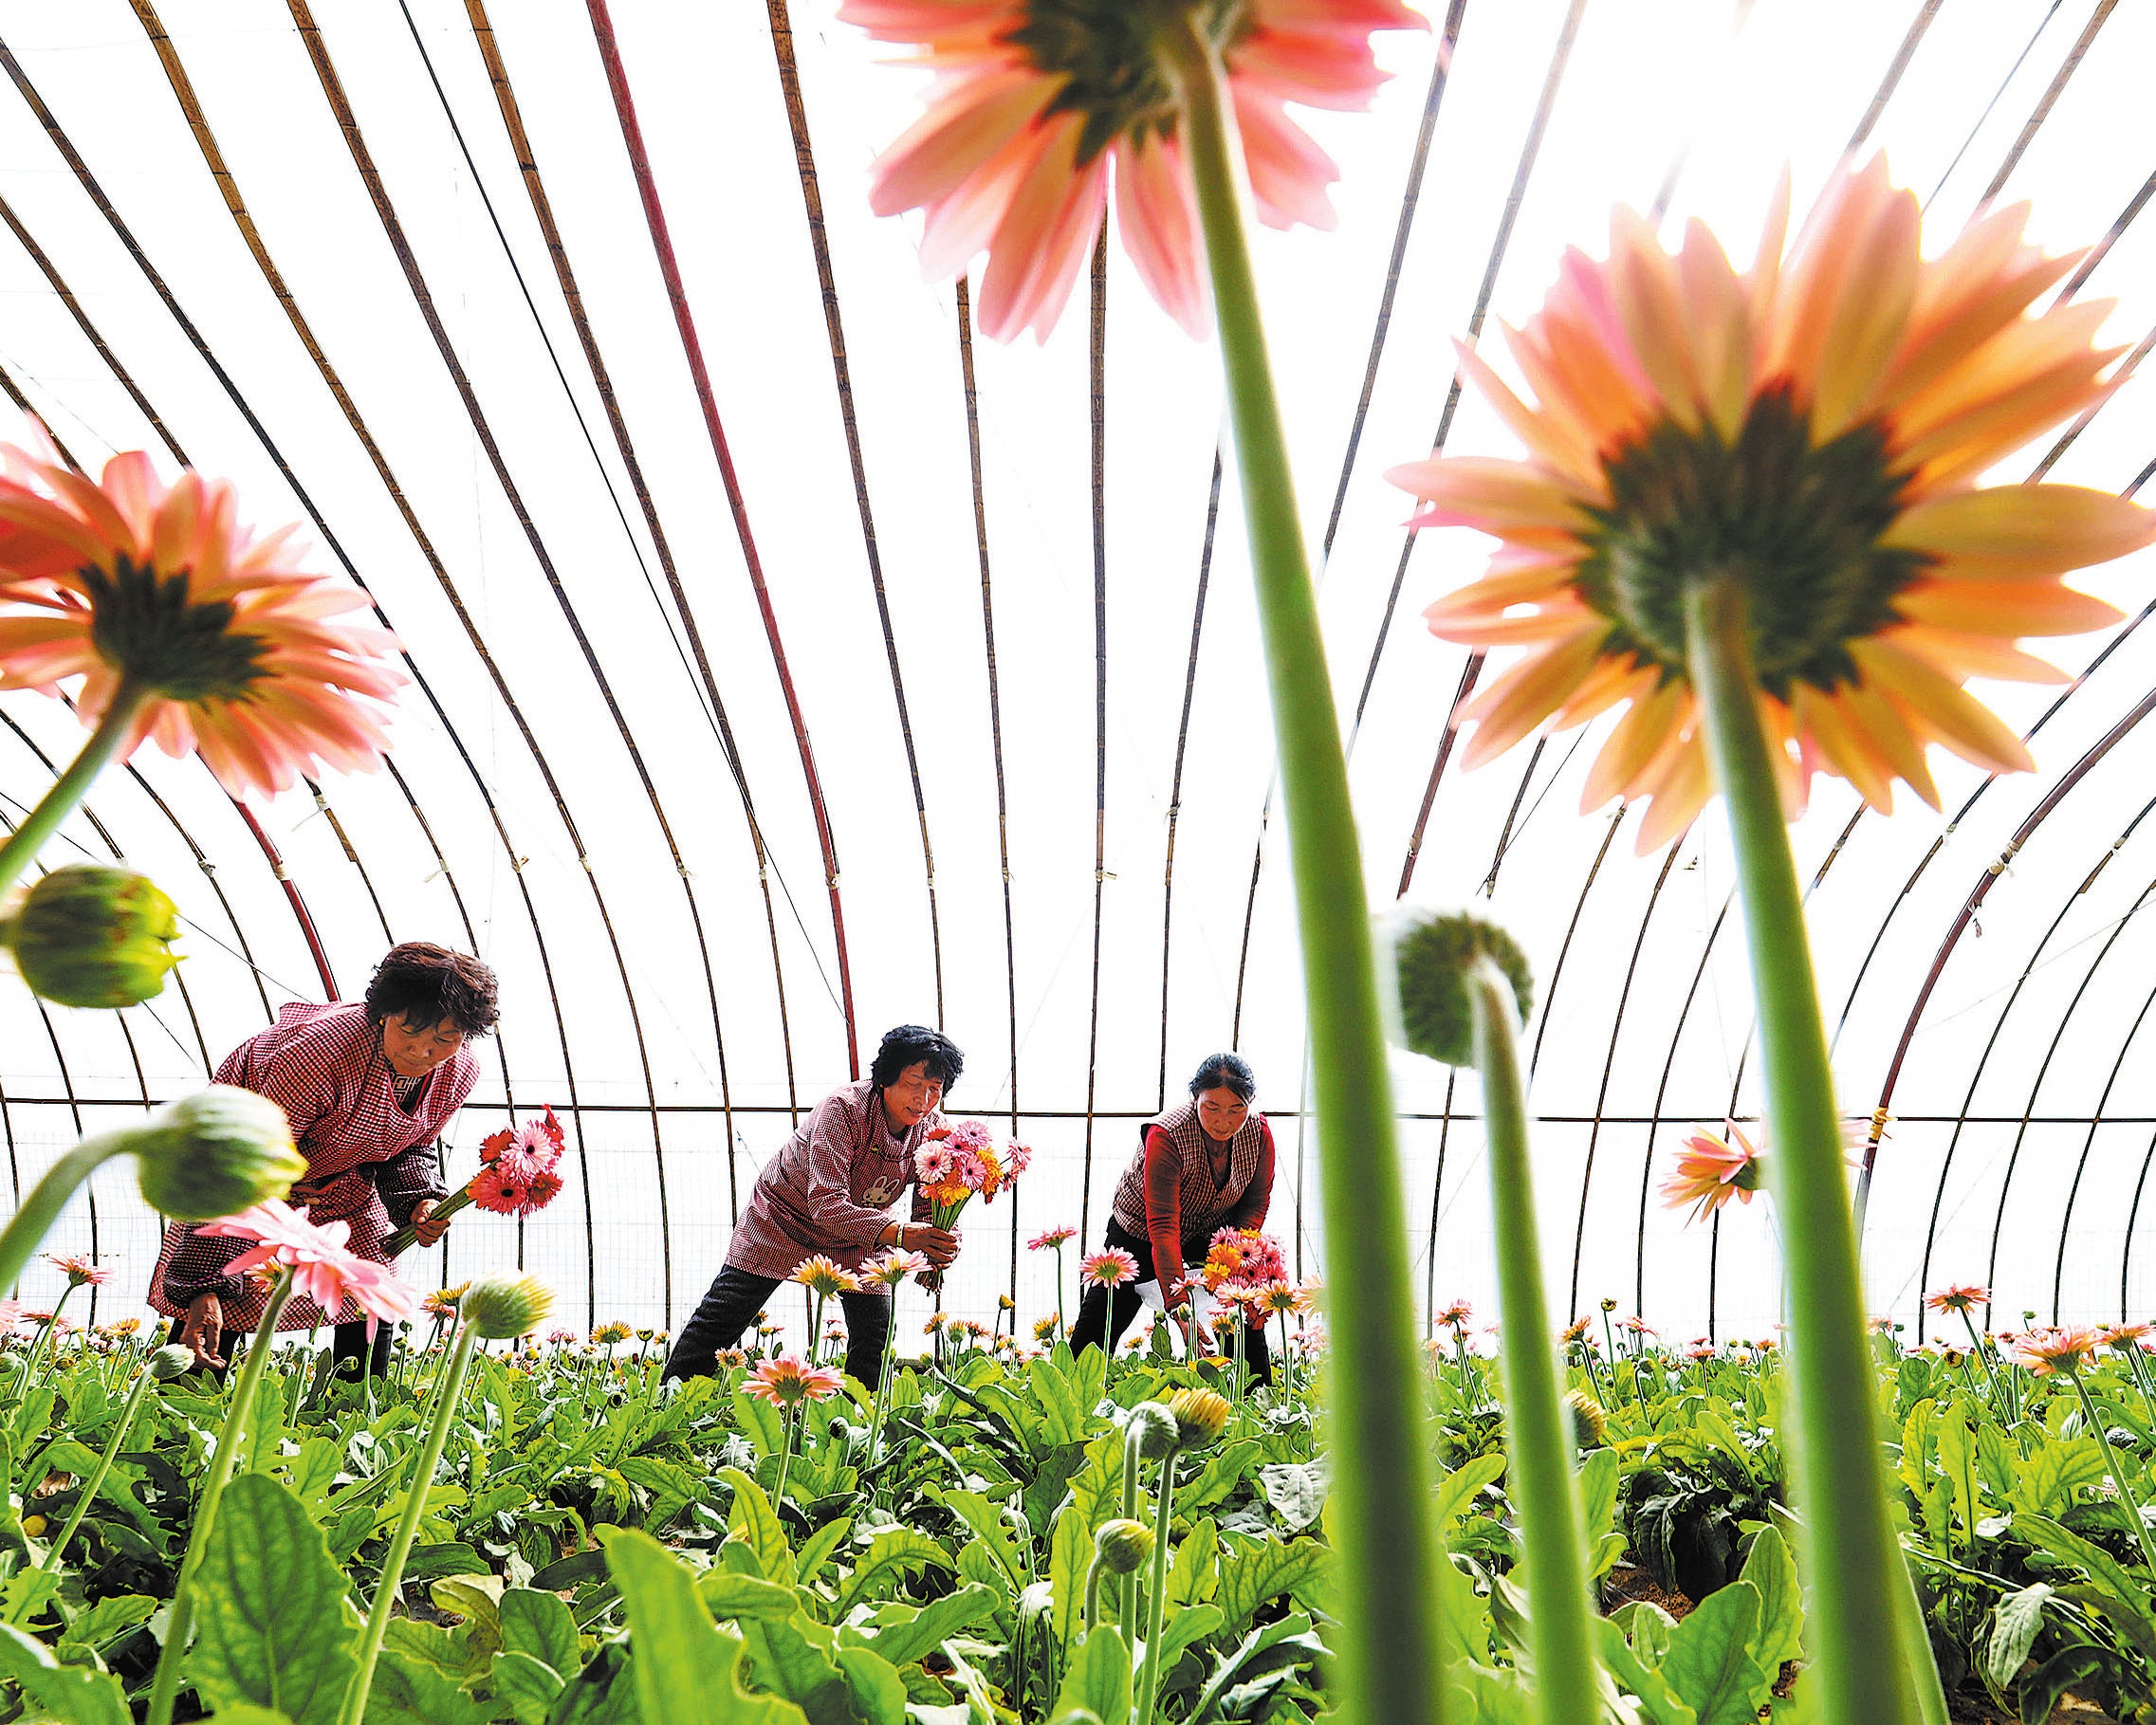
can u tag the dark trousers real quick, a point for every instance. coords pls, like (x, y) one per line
(350, 1357)
(1105, 1313)
(735, 1299)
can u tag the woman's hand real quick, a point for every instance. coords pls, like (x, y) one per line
(938, 1245)
(202, 1329)
(426, 1226)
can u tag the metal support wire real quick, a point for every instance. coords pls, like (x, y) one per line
(812, 198)
(2049, 98)
(1175, 780)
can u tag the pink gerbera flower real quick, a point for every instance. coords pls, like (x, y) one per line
(321, 1269)
(933, 1162)
(891, 1269)
(81, 1271)
(1959, 1298)
(2065, 1350)
(1017, 1159)
(1108, 1269)
(2126, 1336)
(789, 1382)
(1051, 1239)
(1035, 99)
(1456, 1315)
(1710, 1172)
(493, 1189)
(126, 581)
(528, 1151)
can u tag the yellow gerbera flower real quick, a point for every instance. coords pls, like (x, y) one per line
(1812, 427)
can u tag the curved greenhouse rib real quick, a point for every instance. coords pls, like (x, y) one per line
(292, 897)
(362, 159)
(995, 707)
(1175, 779)
(352, 854)
(1998, 95)
(812, 198)
(1889, 83)
(1097, 421)
(700, 378)
(1572, 927)
(2049, 98)
(2087, 268)
(543, 211)
(1608, 1068)
(1468, 673)
(2058, 1036)
(2088, 1144)
(1436, 1206)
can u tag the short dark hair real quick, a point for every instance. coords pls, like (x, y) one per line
(1225, 1072)
(420, 981)
(907, 1043)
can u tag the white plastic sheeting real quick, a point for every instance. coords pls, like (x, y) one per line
(2026, 1089)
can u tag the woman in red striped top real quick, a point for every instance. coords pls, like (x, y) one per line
(1200, 1167)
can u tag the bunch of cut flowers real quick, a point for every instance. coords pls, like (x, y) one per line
(518, 1176)
(955, 1163)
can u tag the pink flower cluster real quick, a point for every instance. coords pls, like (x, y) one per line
(1252, 1258)
(518, 1176)
(321, 1268)
(955, 1163)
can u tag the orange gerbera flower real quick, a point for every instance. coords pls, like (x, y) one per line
(1035, 98)
(1710, 1172)
(157, 591)
(1812, 428)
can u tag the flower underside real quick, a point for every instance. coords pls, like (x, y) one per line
(150, 629)
(1797, 526)
(1108, 52)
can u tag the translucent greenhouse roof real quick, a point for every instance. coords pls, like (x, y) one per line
(792, 663)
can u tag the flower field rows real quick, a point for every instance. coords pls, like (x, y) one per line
(593, 1545)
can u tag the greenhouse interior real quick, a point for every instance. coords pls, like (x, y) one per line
(1273, 636)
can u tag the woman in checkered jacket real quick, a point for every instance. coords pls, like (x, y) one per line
(368, 1086)
(1200, 1167)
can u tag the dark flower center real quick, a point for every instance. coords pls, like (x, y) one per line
(1798, 527)
(148, 628)
(1109, 49)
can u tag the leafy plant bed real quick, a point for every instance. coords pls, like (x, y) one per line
(596, 1546)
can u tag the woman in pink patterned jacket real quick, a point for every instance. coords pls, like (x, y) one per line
(368, 1086)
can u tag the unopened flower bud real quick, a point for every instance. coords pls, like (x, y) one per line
(1124, 1546)
(89, 935)
(499, 1306)
(1434, 959)
(215, 1153)
(1150, 1431)
(1589, 1422)
(1200, 1416)
(170, 1362)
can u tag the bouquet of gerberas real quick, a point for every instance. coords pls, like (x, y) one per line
(516, 1175)
(956, 1161)
(1242, 1258)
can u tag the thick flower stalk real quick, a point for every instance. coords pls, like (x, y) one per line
(1749, 516)
(1186, 95)
(182, 625)
(1475, 981)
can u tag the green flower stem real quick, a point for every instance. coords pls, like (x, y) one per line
(1149, 1670)
(883, 1377)
(28, 1227)
(448, 1392)
(1389, 1612)
(1537, 1431)
(104, 1466)
(1916, 1651)
(49, 1329)
(2132, 1352)
(786, 1453)
(164, 1690)
(2126, 1496)
(1984, 1359)
(73, 785)
(1834, 1440)
(1126, 1591)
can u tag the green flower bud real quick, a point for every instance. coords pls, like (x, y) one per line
(87, 935)
(171, 1362)
(499, 1306)
(1124, 1546)
(1200, 1416)
(213, 1153)
(1150, 1431)
(1589, 1422)
(1432, 957)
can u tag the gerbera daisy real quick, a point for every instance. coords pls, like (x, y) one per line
(2125, 1336)
(1035, 99)
(1811, 432)
(824, 1278)
(2064, 1349)
(321, 1269)
(161, 602)
(1108, 1269)
(1959, 1298)
(890, 1269)
(1456, 1315)
(788, 1382)
(81, 1271)
(1051, 1239)
(1710, 1172)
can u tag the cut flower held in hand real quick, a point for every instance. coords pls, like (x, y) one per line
(1811, 430)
